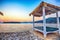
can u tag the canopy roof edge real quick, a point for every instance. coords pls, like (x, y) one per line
(49, 9)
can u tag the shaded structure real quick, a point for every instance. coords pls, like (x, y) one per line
(42, 10)
(1, 13)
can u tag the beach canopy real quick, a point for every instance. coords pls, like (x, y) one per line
(49, 9)
(42, 10)
(1, 13)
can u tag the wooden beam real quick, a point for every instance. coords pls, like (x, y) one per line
(33, 22)
(44, 22)
(58, 25)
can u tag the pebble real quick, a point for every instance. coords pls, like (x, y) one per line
(27, 35)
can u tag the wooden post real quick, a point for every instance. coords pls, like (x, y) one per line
(44, 22)
(58, 21)
(33, 21)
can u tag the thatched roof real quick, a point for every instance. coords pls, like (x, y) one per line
(1, 13)
(49, 9)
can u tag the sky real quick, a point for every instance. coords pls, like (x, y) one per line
(19, 10)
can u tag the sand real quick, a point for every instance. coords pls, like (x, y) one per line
(51, 36)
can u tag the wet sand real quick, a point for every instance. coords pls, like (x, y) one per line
(15, 27)
(20, 27)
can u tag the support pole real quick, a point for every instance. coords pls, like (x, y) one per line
(58, 21)
(33, 21)
(44, 22)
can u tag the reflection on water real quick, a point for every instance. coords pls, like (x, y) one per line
(15, 27)
(20, 27)
(49, 25)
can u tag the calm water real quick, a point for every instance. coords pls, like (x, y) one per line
(20, 27)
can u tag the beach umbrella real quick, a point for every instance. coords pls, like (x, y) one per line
(1, 13)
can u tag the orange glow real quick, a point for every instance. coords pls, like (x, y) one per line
(17, 19)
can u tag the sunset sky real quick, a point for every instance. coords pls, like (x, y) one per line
(19, 10)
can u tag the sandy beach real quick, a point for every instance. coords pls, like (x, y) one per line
(7, 28)
(51, 36)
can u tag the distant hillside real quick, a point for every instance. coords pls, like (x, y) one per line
(11, 22)
(17, 22)
(49, 20)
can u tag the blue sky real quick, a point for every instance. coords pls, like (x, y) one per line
(21, 8)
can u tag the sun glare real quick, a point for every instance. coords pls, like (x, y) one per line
(14, 12)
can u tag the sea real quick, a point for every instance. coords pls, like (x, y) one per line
(21, 26)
